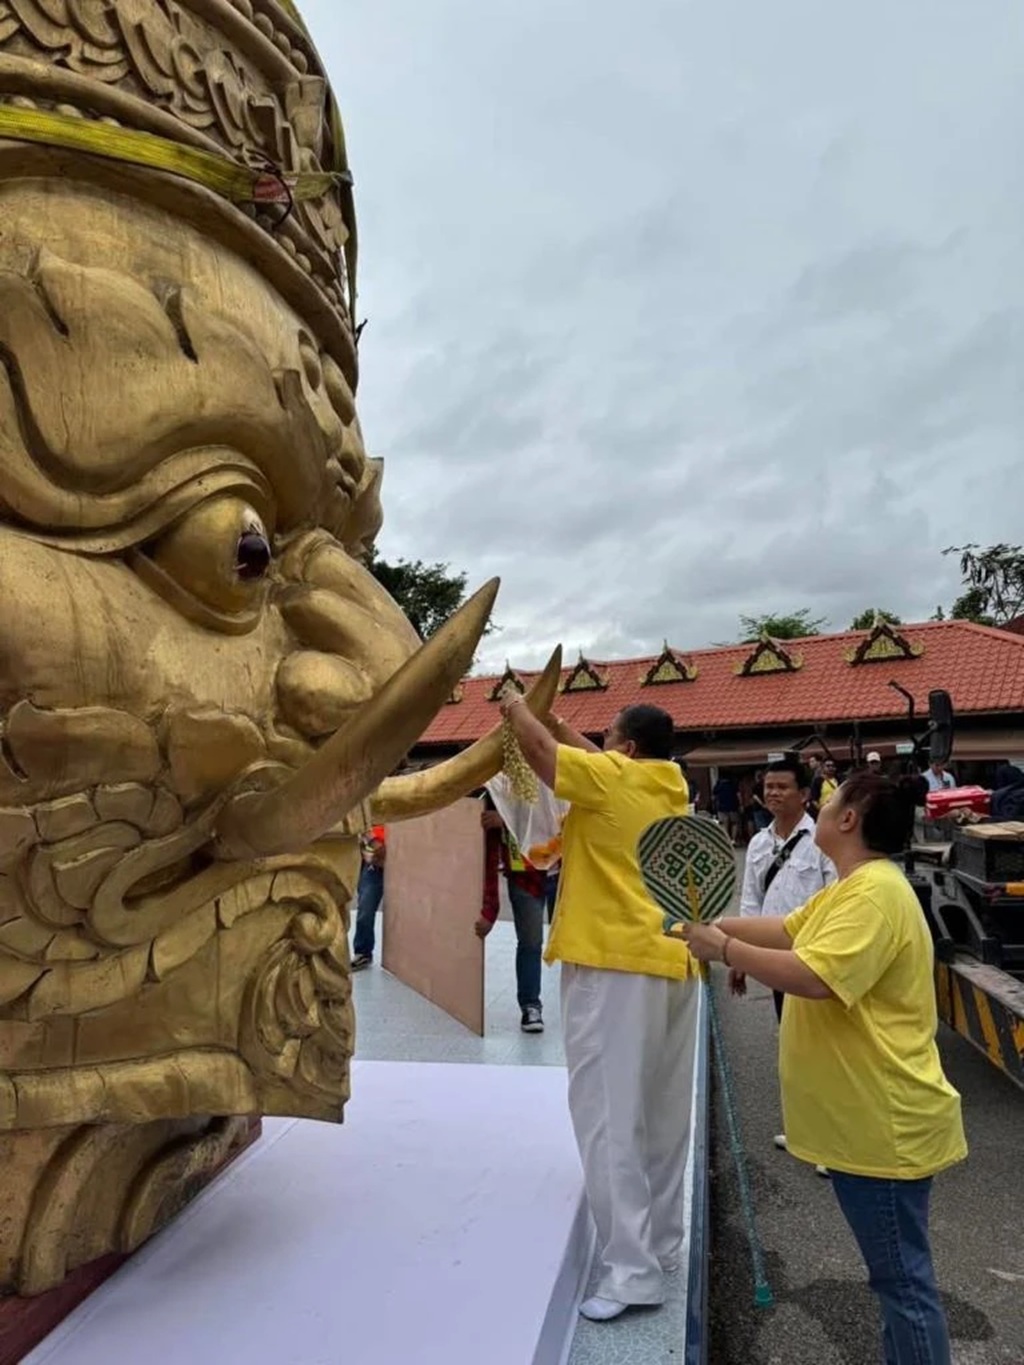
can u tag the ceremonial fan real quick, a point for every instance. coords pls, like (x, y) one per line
(689, 868)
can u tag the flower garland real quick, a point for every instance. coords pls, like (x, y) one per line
(521, 777)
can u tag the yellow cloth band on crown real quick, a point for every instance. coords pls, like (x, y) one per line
(240, 184)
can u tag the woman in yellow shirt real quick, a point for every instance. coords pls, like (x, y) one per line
(863, 1091)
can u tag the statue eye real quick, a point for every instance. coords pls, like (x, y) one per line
(253, 556)
(213, 564)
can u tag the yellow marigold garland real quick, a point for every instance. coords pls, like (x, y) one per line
(521, 776)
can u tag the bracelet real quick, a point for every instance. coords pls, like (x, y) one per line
(725, 951)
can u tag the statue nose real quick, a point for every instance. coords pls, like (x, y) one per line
(345, 654)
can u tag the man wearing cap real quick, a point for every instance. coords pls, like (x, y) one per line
(874, 763)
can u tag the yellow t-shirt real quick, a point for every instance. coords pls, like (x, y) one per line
(829, 787)
(604, 917)
(863, 1089)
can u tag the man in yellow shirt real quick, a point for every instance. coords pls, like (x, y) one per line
(629, 996)
(863, 1091)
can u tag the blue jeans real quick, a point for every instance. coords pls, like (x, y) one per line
(528, 913)
(889, 1219)
(370, 895)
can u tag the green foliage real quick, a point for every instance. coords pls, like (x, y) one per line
(993, 579)
(427, 593)
(792, 627)
(865, 620)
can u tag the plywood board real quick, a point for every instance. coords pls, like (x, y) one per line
(433, 888)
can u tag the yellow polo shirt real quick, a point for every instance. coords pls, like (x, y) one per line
(604, 917)
(863, 1089)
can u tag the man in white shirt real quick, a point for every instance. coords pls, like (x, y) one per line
(784, 866)
(938, 778)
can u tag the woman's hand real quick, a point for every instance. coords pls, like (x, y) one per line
(705, 941)
(737, 982)
(509, 703)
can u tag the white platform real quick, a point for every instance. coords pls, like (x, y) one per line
(442, 1224)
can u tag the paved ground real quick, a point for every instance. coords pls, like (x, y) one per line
(825, 1315)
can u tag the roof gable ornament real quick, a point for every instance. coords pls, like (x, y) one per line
(458, 693)
(584, 678)
(884, 644)
(668, 668)
(509, 682)
(769, 656)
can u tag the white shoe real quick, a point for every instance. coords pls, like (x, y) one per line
(780, 1141)
(602, 1310)
(823, 1171)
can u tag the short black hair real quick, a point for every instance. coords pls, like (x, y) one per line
(650, 728)
(886, 810)
(790, 763)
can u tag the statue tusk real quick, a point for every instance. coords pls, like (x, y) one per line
(352, 763)
(403, 798)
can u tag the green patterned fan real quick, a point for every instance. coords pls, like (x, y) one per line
(689, 868)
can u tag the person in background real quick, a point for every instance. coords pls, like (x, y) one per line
(939, 778)
(727, 806)
(863, 1090)
(629, 1010)
(1008, 793)
(527, 892)
(762, 815)
(814, 776)
(874, 763)
(828, 784)
(746, 798)
(784, 866)
(369, 896)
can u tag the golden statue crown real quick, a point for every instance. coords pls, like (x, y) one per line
(218, 110)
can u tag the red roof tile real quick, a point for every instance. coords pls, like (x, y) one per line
(981, 668)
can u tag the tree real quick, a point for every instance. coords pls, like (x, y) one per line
(993, 579)
(865, 620)
(793, 627)
(427, 593)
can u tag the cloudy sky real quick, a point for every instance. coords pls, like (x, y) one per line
(685, 308)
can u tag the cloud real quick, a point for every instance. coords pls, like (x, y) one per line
(679, 311)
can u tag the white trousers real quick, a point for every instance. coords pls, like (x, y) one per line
(629, 1046)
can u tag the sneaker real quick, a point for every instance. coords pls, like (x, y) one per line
(780, 1141)
(824, 1172)
(361, 962)
(533, 1020)
(602, 1310)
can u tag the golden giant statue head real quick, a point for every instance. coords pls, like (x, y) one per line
(202, 688)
